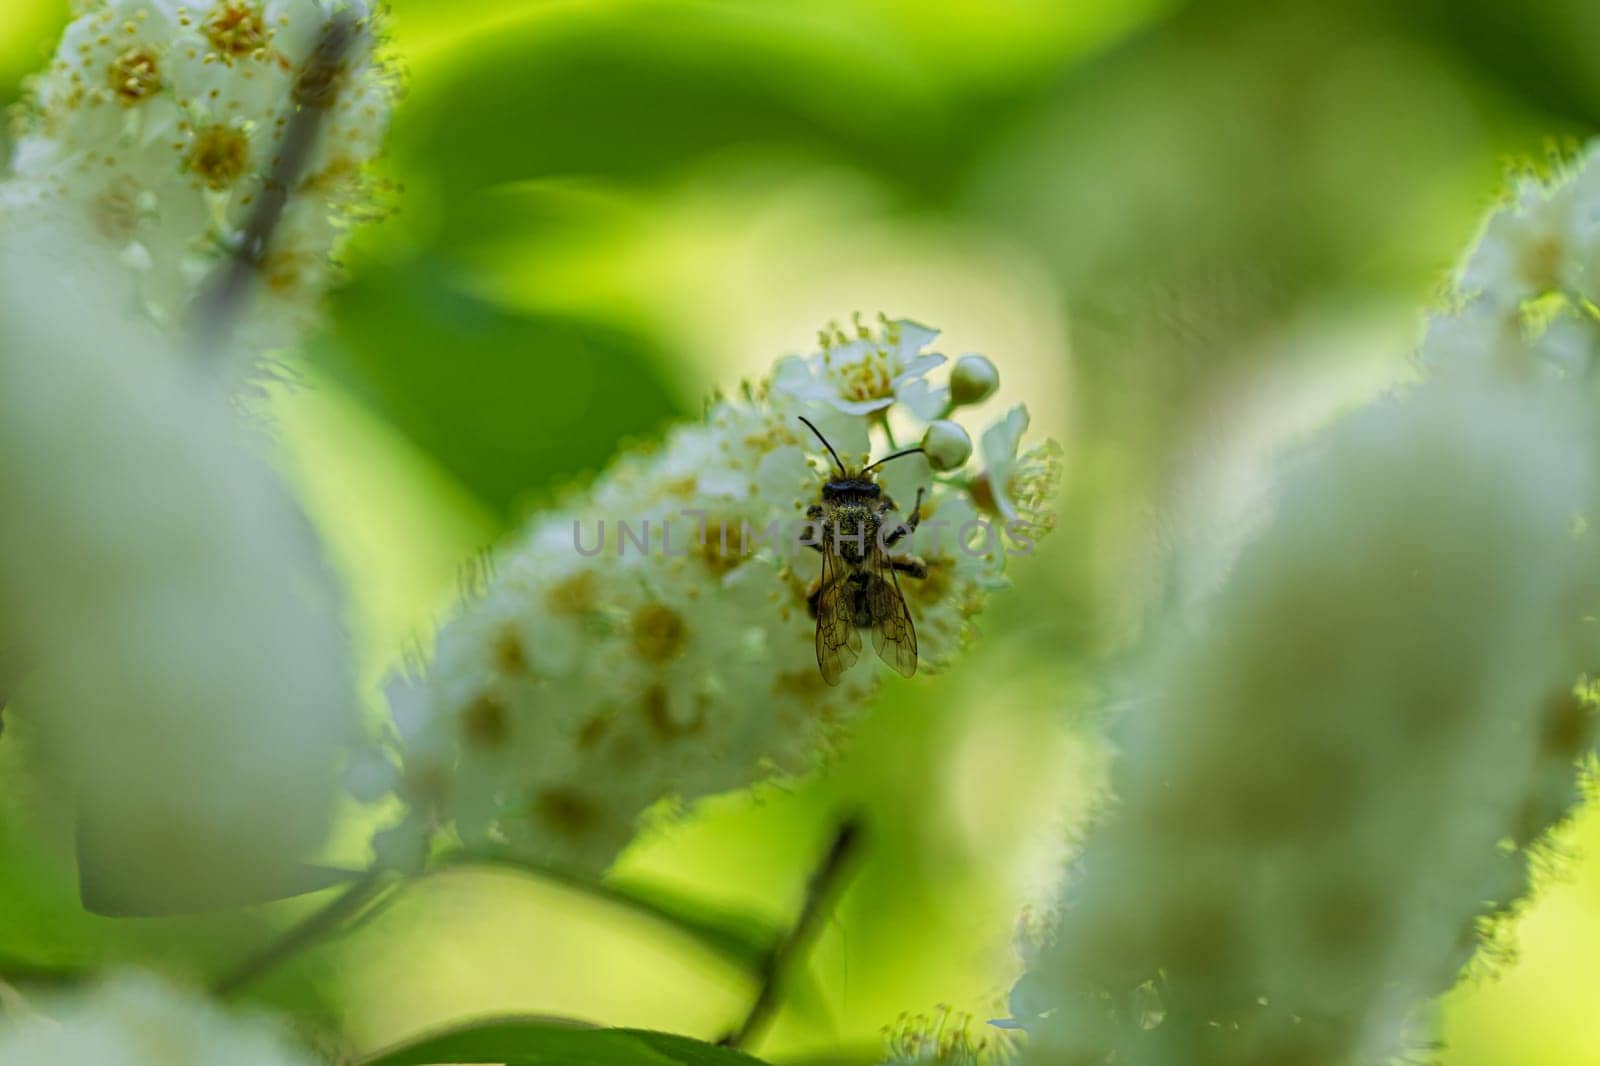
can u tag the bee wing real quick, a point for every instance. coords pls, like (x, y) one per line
(838, 643)
(893, 635)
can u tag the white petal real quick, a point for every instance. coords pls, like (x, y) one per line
(860, 407)
(1001, 440)
(914, 337)
(928, 402)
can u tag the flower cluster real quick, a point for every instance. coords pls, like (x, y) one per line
(134, 1019)
(1327, 788)
(155, 126)
(1526, 298)
(188, 674)
(651, 637)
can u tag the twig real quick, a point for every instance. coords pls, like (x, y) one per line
(308, 933)
(819, 895)
(315, 89)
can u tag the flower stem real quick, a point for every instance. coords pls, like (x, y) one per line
(882, 419)
(313, 930)
(819, 894)
(315, 88)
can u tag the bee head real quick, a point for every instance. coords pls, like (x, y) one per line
(861, 482)
(861, 487)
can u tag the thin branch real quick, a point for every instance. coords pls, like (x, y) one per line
(819, 896)
(313, 930)
(315, 89)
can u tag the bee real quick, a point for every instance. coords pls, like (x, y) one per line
(859, 587)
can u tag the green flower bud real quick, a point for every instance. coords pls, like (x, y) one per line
(972, 380)
(946, 445)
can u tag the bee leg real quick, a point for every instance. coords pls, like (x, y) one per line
(909, 525)
(909, 565)
(815, 514)
(812, 596)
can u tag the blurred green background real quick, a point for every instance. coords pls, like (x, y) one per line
(1184, 231)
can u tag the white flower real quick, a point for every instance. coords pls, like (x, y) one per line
(965, 553)
(191, 678)
(1527, 248)
(1568, 349)
(1017, 487)
(1527, 295)
(1484, 338)
(1586, 225)
(156, 123)
(868, 372)
(1480, 336)
(135, 1019)
(1326, 789)
(603, 671)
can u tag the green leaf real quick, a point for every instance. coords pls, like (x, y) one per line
(510, 403)
(532, 1041)
(745, 940)
(740, 938)
(28, 971)
(637, 91)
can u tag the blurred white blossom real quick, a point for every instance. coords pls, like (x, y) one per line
(1335, 778)
(190, 674)
(156, 123)
(1527, 293)
(1529, 247)
(603, 669)
(136, 1019)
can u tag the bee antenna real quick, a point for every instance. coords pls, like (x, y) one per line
(896, 455)
(842, 471)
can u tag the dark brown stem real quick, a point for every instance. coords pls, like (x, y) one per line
(819, 896)
(315, 88)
